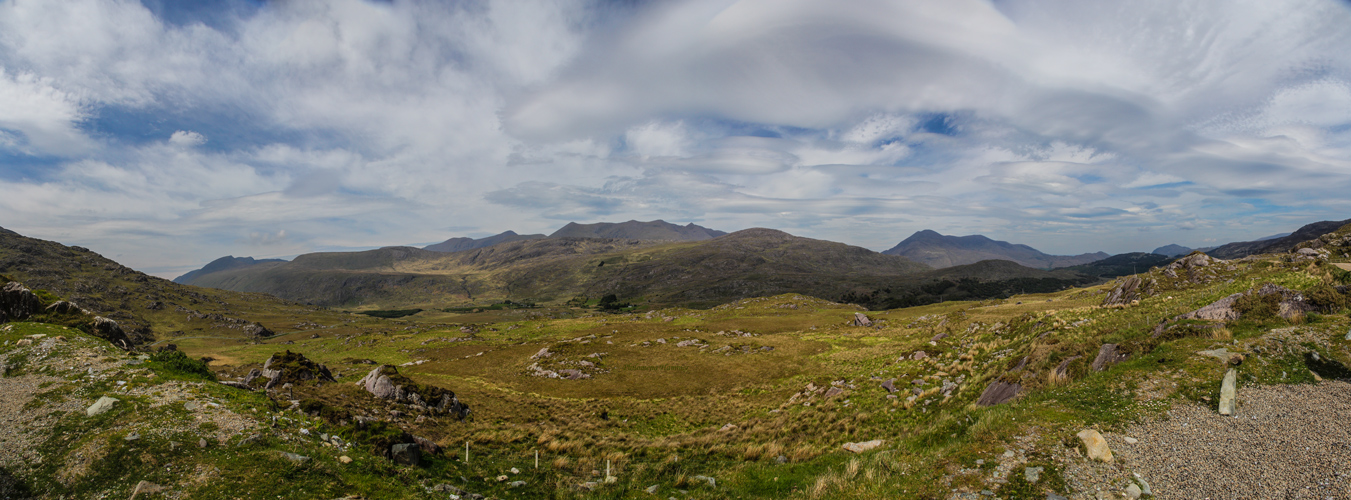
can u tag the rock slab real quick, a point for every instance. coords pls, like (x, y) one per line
(1228, 392)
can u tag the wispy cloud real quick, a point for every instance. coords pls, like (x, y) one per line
(167, 135)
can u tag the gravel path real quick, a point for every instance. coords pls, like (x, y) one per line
(1284, 442)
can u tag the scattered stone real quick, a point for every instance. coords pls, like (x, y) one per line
(1133, 491)
(781, 459)
(516, 484)
(889, 385)
(190, 406)
(515, 470)
(345, 459)
(145, 488)
(253, 438)
(1221, 354)
(201, 443)
(863, 446)
(406, 454)
(1095, 445)
(502, 478)
(543, 353)
(834, 391)
(571, 374)
(689, 343)
(1130, 440)
(1228, 392)
(258, 330)
(728, 427)
(295, 458)
(133, 436)
(651, 490)
(918, 355)
(712, 483)
(23, 342)
(103, 404)
(1032, 474)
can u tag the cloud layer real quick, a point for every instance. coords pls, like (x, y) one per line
(165, 136)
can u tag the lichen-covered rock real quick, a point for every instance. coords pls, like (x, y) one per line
(998, 392)
(1108, 355)
(1125, 292)
(17, 303)
(385, 382)
(861, 319)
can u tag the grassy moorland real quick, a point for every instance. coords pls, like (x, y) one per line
(750, 399)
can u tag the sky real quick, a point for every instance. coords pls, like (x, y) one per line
(165, 133)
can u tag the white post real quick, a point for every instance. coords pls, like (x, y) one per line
(537, 459)
(607, 470)
(466, 452)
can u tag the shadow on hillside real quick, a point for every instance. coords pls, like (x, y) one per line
(11, 486)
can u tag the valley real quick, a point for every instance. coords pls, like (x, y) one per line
(783, 395)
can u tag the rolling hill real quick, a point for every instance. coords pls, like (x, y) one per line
(461, 244)
(939, 251)
(222, 264)
(1276, 245)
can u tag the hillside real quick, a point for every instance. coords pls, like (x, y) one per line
(145, 306)
(461, 244)
(635, 230)
(783, 397)
(1277, 244)
(222, 264)
(743, 264)
(939, 251)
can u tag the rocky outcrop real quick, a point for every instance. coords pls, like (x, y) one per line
(1220, 310)
(1286, 303)
(385, 382)
(1125, 292)
(290, 368)
(63, 307)
(17, 303)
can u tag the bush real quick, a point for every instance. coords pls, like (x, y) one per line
(179, 364)
(1326, 298)
(1258, 307)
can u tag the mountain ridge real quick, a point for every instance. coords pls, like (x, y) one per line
(939, 251)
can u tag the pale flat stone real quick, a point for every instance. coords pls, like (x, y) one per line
(1096, 445)
(1130, 440)
(103, 404)
(1228, 392)
(864, 446)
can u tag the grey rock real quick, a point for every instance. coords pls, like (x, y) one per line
(1133, 491)
(861, 319)
(295, 458)
(252, 439)
(1107, 356)
(651, 490)
(190, 406)
(712, 483)
(201, 443)
(1228, 392)
(406, 453)
(132, 437)
(145, 488)
(17, 303)
(889, 385)
(998, 392)
(1032, 474)
(863, 446)
(516, 484)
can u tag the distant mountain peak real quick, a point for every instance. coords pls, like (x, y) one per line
(225, 263)
(940, 251)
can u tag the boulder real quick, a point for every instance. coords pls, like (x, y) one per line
(406, 454)
(1107, 356)
(103, 404)
(1061, 373)
(17, 303)
(1095, 445)
(1220, 310)
(861, 319)
(863, 446)
(426, 445)
(145, 488)
(889, 385)
(109, 330)
(258, 330)
(385, 382)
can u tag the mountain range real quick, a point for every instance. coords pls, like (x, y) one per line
(939, 251)
(1276, 244)
(461, 244)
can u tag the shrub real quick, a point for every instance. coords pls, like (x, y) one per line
(1326, 298)
(179, 364)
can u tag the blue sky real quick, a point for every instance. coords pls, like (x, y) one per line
(165, 134)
